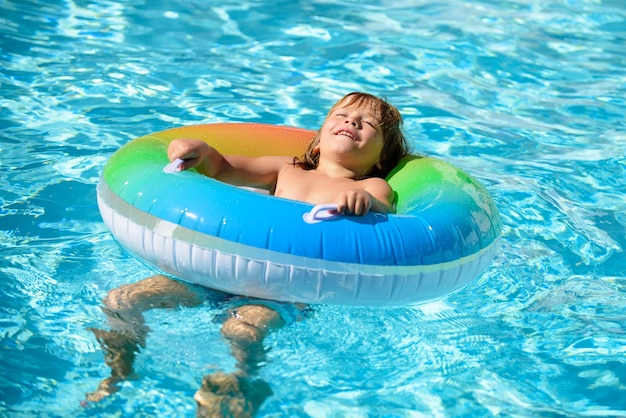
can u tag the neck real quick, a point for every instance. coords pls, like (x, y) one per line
(338, 171)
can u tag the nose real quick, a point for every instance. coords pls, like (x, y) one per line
(352, 121)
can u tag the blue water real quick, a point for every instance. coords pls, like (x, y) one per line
(528, 96)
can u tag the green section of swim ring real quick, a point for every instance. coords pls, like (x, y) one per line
(417, 181)
(135, 156)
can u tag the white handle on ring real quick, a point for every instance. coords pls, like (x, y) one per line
(321, 213)
(173, 167)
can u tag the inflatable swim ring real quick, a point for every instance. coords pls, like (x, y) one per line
(443, 236)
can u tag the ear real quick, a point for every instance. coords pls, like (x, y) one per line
(379, 165)
(316, 149)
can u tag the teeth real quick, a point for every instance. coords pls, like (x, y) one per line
(348, 134)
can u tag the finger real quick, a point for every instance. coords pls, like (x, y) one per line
(363, 206)
(190, 163)
(174, 151)
(358, 207)
(341, 208)
(350, 204)
(180, 148)
(341, 203)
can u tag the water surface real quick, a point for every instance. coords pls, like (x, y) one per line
(528, 96)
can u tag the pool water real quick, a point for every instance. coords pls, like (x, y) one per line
(528, 96)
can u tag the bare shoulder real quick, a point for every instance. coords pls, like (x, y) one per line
(378, 188)
(375, 183)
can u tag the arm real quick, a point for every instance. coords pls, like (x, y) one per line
(234, 169)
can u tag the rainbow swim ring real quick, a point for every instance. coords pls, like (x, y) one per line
(443, 236)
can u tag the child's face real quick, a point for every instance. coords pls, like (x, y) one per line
(354, 135)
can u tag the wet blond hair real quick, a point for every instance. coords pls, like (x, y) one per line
(394, 143)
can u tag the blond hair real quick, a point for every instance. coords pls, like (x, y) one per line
(394, 143)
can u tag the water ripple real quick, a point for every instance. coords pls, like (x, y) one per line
(528, 96)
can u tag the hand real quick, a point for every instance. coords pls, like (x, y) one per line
(192, 151)
(353, 202)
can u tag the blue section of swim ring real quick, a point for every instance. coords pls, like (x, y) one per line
(436, 232)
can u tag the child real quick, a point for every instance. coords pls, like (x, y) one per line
(346, 163)
(356, 147)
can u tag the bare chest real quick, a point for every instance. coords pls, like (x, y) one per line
(310, 186)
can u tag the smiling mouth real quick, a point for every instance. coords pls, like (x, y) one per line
(348, 134)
